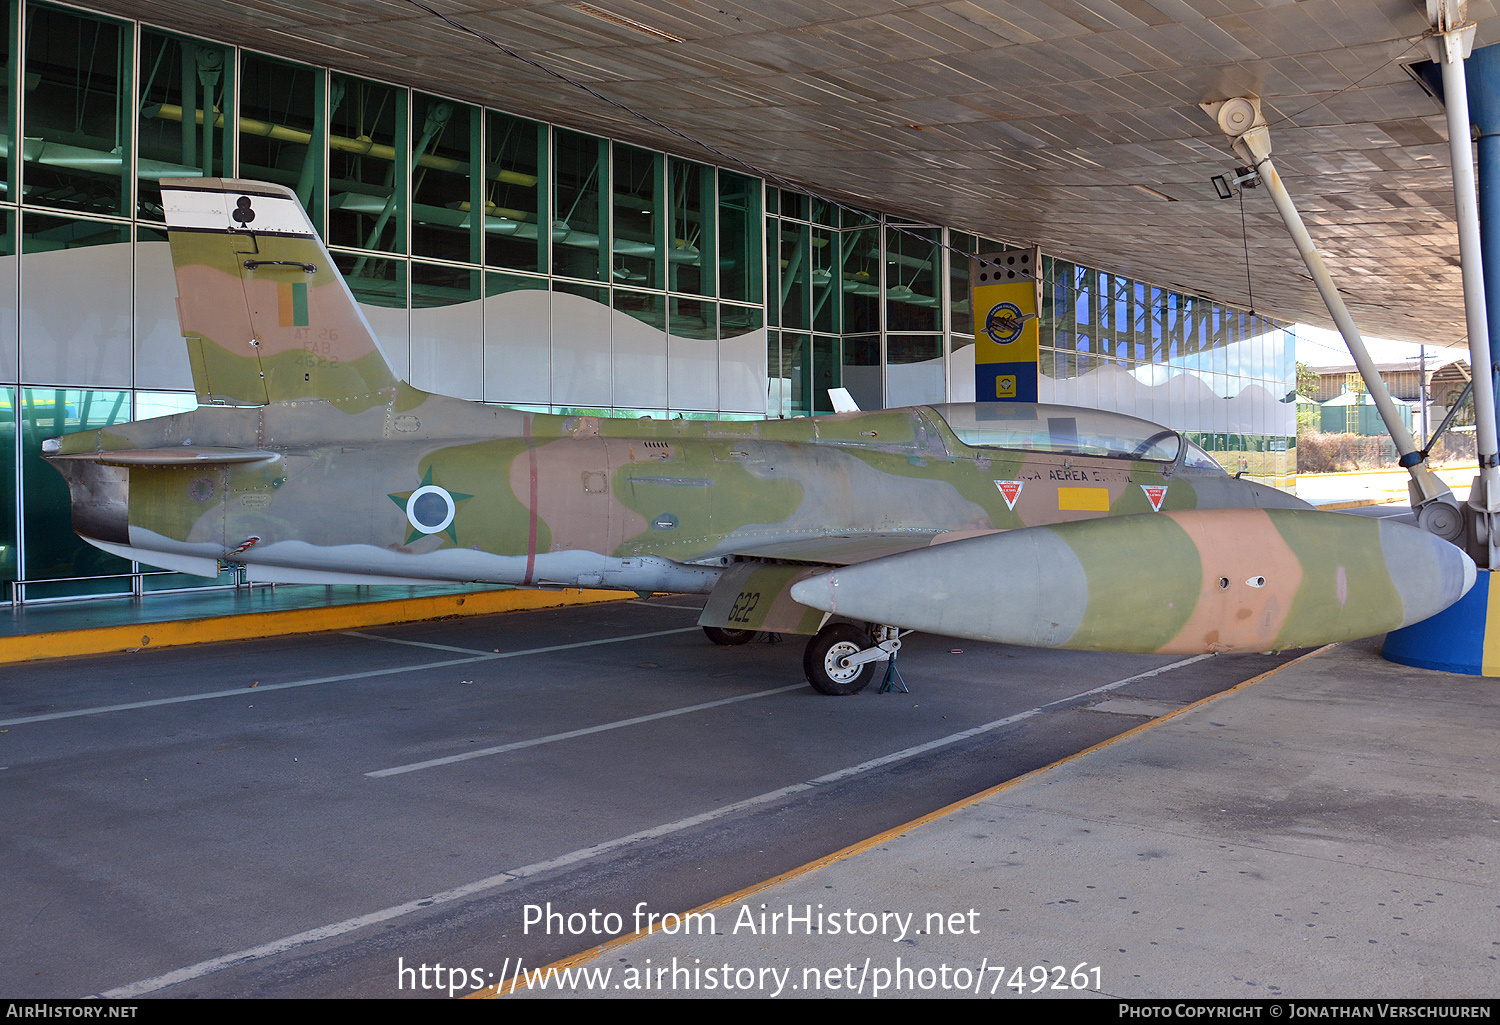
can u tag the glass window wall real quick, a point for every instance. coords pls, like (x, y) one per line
(52, 549)
(282, 134)
(514, 207)
(446, 180)
(639, 227)
(368, 164)
(913, 279)
(78, 116)
(580, 211)
(72, 336)
(692, 228)
(186, 88)
(741, 253)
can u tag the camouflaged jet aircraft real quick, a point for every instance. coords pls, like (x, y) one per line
(310, 462)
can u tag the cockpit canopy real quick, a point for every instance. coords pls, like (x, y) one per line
(1064, 430)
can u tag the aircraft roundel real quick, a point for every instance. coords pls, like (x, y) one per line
(1004, 323)
(430, 509)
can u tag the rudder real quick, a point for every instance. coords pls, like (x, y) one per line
(266, 313)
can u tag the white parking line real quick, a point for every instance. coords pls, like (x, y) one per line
(301, 939)
(601, 728)
(263, 688)
(414, 644)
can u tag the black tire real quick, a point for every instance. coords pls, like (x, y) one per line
(729, 638)
(820, 661)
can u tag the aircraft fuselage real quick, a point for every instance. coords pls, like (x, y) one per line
(426, 488)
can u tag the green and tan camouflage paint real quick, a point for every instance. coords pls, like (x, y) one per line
(320, 465)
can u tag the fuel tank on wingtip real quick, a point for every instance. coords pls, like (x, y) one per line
(1206, 580)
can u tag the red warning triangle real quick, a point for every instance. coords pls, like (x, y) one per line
(1011, 489)
(1155, 493)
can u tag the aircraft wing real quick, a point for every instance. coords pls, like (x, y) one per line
(755, 593)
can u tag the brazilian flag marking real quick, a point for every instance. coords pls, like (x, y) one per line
(292, 300)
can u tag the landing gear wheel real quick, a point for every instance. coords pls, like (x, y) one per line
(728, 638)
(825, 652)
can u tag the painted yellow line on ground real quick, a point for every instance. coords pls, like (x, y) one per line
(281, 622)
(1358, 503)
(507, 987)
(1450, 471)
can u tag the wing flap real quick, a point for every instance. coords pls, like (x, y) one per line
(755, 595)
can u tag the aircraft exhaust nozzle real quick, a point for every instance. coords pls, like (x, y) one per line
(1206, 580)
(100, 496)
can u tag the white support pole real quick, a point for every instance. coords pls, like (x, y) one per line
(1449, 45)
(1240, 119)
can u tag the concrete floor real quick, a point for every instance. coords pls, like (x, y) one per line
(299, 816)
(1330, 831)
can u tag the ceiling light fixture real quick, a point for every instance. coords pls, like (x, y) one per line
(620, 19)
(1225, 184)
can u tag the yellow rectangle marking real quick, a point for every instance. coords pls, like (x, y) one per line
(1490, 664)
(1083, 499)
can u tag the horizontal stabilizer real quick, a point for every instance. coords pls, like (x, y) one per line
(1206, 580)
(168, 457)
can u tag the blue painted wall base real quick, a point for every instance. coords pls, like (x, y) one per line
(1454, 640)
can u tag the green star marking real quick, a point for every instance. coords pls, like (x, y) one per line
(451, 530)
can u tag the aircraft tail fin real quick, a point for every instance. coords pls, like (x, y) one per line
(266, 314)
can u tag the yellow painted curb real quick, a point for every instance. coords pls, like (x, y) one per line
(281, 622)
(1451, 471)
(1358, 503)
(502, 989)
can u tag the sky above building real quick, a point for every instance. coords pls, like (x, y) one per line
(1319, 348)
